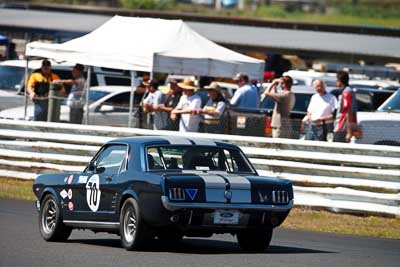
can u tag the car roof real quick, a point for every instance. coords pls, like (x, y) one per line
(170, 140)
(305, 89)
(381, 83)
(34, 64)
(111, 88)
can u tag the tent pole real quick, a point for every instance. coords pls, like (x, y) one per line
(89, 74)
(26, 87)
(133, 89)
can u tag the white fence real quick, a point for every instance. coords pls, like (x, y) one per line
(340, 177)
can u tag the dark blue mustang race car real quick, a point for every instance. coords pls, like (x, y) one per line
(164, 187)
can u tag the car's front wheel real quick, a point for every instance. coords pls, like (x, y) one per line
(254, 240)
(50, 224)
(133, 230)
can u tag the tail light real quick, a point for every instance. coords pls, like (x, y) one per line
(268, 129)
(280, 197)
(177, 194)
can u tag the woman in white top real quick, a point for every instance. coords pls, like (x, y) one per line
(320, 113)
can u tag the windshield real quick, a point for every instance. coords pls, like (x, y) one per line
(11, 77)
(96, 95)
(392, 104)
(199, 158)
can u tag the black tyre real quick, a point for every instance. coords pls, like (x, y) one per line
(133, 230)
(254, 240)
(50, 223)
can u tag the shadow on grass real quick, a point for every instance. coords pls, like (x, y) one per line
(199, 246)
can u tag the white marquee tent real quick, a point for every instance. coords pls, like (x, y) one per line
(153, 45)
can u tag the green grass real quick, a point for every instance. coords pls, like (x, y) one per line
(324, 221)
(16, 189)
(299, 218)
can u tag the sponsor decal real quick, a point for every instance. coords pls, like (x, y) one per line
(82, 179)
(70, 206)
(63, 194)
(241, 122)
(70, 193)
(93, 192)
(191, 193)
(263, 197)
(70, 179)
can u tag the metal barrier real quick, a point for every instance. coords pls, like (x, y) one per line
(340, 177)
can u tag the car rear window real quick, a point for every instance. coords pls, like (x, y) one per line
(198, 158)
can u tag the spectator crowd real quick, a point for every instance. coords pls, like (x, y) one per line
(188, 108)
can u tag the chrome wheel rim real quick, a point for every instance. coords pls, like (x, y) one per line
(129, 225)
(49, 216)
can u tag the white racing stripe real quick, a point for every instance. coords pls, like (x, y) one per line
(240, 188)
(215, 188)
(176, 140)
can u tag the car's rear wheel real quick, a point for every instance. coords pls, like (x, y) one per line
(254, 240)
(133, 230)
(50, 224)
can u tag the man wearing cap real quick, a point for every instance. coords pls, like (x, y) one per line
(170, 103)
(213, 110)
(76, 98)
(38, 89)
(151, 105)
(188, 107)
(246, 96)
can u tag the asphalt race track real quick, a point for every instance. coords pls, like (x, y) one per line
(21, 245)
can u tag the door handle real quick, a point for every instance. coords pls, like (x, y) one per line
(108, 179)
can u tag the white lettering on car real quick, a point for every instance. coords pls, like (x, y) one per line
(93, 192)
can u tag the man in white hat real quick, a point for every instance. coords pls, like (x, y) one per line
(188, 107)
(214, 109)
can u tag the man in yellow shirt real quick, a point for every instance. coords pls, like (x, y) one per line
(38, 89)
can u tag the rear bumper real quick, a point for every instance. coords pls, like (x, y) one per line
(173, 206)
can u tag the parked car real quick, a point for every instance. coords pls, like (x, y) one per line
(257, 121)
(368, 99)
(308, 77)
(381, 127)
(12, 77)
(109, 105)
(375, 84)
(164, 187)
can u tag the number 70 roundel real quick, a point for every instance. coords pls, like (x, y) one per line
(93, 192)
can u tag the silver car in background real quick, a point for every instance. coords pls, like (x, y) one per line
(109, 105)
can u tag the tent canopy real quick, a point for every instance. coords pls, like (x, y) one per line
(153, 45)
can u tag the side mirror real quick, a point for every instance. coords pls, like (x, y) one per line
(106, 108)
(100, 170)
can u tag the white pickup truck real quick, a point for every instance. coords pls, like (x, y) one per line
(381, 127)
